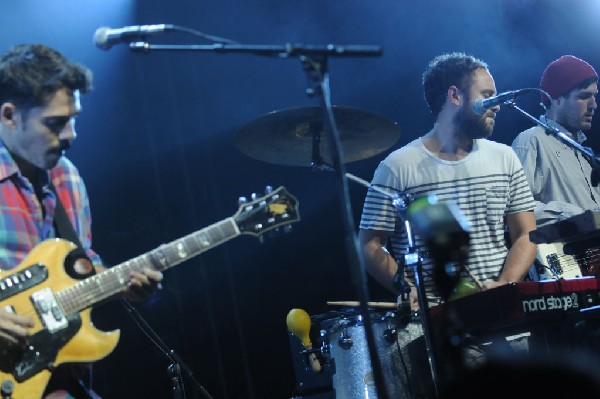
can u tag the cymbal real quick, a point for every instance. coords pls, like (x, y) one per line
(285, 137)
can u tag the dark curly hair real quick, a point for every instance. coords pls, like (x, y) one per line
(31, 73)
(451, 69)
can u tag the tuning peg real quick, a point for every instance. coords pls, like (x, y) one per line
(268, 190)
(287, 228)
(254, 196)
(242, 200)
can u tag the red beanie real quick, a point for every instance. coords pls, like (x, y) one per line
(564, 74)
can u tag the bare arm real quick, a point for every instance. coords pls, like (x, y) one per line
(380, 264)
(522, 251)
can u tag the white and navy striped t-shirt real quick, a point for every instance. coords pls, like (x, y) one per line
(487, 184)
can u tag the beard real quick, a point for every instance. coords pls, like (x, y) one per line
(470, 125)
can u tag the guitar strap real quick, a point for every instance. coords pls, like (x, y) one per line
(75, 378)
(64, 229)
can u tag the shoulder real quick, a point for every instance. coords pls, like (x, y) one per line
(531, 135)
(414, 148)
(498, 151)
(493, 146)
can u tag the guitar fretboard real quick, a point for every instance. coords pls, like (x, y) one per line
(114, 280)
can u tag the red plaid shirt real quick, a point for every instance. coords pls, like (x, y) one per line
(23, 225)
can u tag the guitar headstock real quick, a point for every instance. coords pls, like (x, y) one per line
(276, 209)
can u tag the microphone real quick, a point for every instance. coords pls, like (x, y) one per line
(482, 105)
(105, 37)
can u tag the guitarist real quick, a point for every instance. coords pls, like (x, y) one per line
(561, 177)
(563, 180)
(39, 102)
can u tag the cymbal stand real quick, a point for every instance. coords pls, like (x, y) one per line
(316, 69)
(177, 364)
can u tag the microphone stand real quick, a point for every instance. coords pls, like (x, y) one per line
(282, 51)
(413, 259)
(174, 369)
(314, 60)
(316, 68)
(586, 151)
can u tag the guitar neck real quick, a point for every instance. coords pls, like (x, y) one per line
(104, 285)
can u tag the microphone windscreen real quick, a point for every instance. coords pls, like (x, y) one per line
(100, 38)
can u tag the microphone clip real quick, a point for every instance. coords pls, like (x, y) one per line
(403, 289)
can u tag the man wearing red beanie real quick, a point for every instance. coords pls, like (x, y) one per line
(560, 175)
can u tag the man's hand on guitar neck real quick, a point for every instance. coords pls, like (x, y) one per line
(142, 285)
(14, 329)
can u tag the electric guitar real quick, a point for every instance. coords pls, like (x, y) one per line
(567, 260)
(61, 306)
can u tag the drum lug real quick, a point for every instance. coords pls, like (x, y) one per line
(390, 334)
(345, 340)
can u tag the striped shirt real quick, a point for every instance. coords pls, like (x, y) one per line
(486, 185)
(23, 225)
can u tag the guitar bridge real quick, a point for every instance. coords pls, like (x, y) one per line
(48, 310)
(554, 265)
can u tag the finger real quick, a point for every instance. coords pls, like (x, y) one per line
(153, 275)
(13, 318)
(14, 334)
(138, 279)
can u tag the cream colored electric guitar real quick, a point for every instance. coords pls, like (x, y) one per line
(556, 264)
(61, 306)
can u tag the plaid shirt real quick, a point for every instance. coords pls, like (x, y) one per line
(23, 225)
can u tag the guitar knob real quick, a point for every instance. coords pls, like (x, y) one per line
(6, 389)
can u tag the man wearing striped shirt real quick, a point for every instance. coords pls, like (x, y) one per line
(456, 162)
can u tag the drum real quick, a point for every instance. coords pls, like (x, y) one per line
(344, 344)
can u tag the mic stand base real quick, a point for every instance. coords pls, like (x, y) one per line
(176, 365)
(175, 373)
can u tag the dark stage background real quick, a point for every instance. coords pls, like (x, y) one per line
(156, 147)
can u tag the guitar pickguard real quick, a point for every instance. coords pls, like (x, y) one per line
(41, 352)
(568, 259)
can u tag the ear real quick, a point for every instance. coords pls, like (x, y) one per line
(454, 95)
(9, 115)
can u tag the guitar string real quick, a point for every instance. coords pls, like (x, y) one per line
(69, 300)
(590, 255)
(192, 244)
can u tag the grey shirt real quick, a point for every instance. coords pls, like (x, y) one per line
(558, 174)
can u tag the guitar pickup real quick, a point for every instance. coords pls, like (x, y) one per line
(22, 280)
(48, 310)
